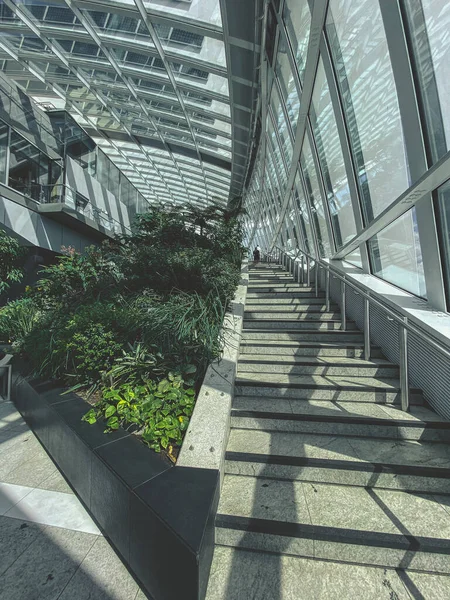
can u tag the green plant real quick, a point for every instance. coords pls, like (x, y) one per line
(136, 366)
(186, 327)
(79, 346)
(91, 352)
(121, 316)
(11, 253)
(159, 410)
(17, 319)
(78, 278)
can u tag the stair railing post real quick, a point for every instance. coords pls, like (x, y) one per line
(366, 329)
(404, 375)
(316, 279)
(343, 306)
(327, 290)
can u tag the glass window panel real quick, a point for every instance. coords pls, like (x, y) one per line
(59, 14)
(354, 258)
(186, 38)
(278, 164)
(120, 23)
(297, 17)
(443, 195)
(28, 168)
(429, 22)
(103, 168)
(3, 149)
(331, 161)
(303, 215)
(396, 255)
(287, 85)
(315, 199)
(361, 58)
(282, 127)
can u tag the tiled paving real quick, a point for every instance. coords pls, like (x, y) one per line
(50, 547)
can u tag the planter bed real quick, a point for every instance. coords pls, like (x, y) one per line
(159, 518)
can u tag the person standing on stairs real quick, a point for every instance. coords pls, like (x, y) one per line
(257, 255)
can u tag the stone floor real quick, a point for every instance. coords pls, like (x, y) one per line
(50, 547)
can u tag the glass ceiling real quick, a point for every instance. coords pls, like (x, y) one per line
(148, 80)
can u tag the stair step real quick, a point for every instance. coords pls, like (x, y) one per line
(334, 522)
(284, 310)
(255, 302)
(294, 349)
(299, 337)
(284, 295)
(410, 465)
(326, 361)
(237, 574)
(269, 317)
(294, 325)
(285, 278)
(280, 289)
(317, 366)
(349, 424)
(362, 389)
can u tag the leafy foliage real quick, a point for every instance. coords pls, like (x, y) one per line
(17, 320)
(159, 410)
(138, 318)
(11, 255)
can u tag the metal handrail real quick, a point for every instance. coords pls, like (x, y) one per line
(404, 325)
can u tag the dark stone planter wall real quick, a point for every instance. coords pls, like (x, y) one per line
(159, 518)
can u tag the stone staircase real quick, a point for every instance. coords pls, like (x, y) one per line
(321, 462)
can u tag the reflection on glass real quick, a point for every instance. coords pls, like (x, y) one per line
(429, 22)
(354, 258)
(303, 216)
(277, 168)
(443, 205)
(331, 160)
(287, 85)
(28, 169)
(3, 149)
(396, 255)
(297, 18)
(281, 124)
(361, 57)
(315, 199)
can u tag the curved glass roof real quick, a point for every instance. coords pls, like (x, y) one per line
(148, 80)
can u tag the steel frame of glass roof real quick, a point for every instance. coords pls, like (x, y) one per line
(276, 216)
(142, 78)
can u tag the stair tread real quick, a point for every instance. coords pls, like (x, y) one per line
(306, 344)
(306, 309)
(319, 381)
(344, 508)
(240, 573)
(314, 360)
(337, 410)
(359, 450)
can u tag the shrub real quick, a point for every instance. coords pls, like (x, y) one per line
(123, 315)
(17, 320)
(136, 366)
(11, 253)
(186, 327)
(78, 279)
(79, 347)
